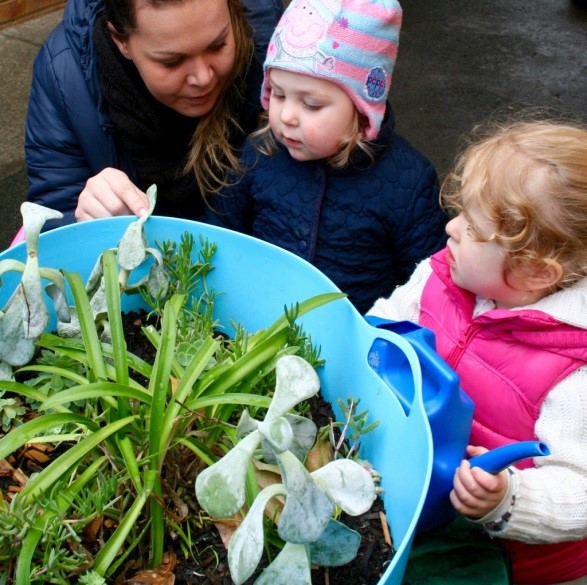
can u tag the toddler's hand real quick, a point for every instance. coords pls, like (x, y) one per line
(475, 492)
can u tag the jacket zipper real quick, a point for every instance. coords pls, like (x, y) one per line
(455, 355)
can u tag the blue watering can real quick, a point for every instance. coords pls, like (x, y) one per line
(450, 414)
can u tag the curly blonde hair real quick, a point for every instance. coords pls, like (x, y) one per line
(530, 179)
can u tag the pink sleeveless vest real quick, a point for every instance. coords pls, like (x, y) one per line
(507, 362)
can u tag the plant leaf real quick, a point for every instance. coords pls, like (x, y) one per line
(296, 380)
(6, 372)
(35, 427)
(348, 483)
(220, 489)
(132, 247)
(151, 194)
(57, 295)
(337, 546)
(10, 265)
(246, 424)
(307, 508)
(71, 457)
(15, 348)
(96, 390)
(304, 437)
(246, 545)
(278, 433)
(35, 315)
(34, 217)
(291, 565)
(159, 382)
(87, 325)
(158, 281)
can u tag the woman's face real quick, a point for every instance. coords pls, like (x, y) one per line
(183, 51)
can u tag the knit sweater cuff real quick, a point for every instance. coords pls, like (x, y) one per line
(496, 520)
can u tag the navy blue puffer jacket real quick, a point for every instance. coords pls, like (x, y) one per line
(69, 137)
(365, 226)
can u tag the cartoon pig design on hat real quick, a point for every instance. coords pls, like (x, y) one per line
(298, 35)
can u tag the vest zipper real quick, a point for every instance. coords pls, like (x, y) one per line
(461, 344)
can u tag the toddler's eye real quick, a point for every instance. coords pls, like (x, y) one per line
(312, 107)
(472, 232)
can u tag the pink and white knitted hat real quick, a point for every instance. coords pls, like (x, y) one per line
(352, 43)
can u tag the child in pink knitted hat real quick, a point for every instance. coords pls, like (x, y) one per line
(327, 177)
(352, 44)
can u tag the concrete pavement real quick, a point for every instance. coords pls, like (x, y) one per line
(18, 46)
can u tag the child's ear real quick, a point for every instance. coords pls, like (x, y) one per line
(545, 277)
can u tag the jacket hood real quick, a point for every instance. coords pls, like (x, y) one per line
(568, 305)
(79, 19)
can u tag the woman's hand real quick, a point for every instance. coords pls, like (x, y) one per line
(475, 492)
(109, 193)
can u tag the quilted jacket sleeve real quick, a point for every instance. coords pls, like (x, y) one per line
(422, 226)
(64, 142)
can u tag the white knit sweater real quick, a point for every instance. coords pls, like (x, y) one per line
(551, 499)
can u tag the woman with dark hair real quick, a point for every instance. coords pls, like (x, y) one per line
(129, 93)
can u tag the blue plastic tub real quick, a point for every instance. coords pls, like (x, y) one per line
(257, 280)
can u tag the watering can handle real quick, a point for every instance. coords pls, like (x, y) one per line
(440, 392)
(498, 459)
(410, 389)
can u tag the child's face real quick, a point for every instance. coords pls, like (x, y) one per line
(478, 266)
(309, 116)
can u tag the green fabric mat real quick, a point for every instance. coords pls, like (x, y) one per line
(460, 553)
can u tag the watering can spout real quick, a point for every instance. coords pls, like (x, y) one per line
(498, 459)
(438, 510)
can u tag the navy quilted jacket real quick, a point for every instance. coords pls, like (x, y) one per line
(365, 226)
(69, 136)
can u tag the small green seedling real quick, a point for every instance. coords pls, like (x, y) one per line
(306, 521)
